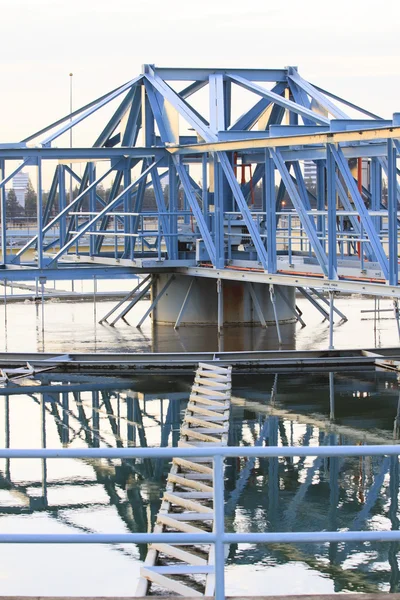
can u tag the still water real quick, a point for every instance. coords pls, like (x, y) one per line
(294, 409)
(73, 327)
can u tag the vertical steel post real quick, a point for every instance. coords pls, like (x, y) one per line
(376, 190)
(320, 197)
(186, 206)
(173, 208)
(331, 296)
(220, 302)
(92, 206)
(331, 198)
(219, 215)
(3, 213)
(204, 170)
(39, 216)
(219, 526)
(392, 214)
(42, 282)
(127, 209)
(94, 299)
(270, 205)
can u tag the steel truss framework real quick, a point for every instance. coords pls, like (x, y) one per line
(343, 233)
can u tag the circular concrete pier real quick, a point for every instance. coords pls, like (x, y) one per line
(201, 308)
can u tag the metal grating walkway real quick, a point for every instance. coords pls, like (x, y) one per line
(187, 505)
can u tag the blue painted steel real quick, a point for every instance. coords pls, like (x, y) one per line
(218, 224)
(331, 201)
(314, 93)
(39, 214)
(320, 194)
(362, 210)
(190, 74)
(217, 103)
(218, 537)
(241, 202)
(250, 118)
(150, 103)
(376, 190)
(288, 104)
(103, 212)
(83, 115)
(270, 206)
(392, 215)
(309, 226)
(3, 214)
(201, 452)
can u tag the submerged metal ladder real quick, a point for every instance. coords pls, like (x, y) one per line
(188, 569)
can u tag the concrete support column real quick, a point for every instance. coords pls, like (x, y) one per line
(207, 305)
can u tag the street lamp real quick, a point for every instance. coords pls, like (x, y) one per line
(70, 133)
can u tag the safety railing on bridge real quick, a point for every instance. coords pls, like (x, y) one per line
(219, 537)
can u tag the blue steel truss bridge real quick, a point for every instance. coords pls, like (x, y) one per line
(253, 175)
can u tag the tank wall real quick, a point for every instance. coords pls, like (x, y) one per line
(202, 307)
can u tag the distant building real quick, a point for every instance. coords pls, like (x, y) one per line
(310, 173)
(20, 185)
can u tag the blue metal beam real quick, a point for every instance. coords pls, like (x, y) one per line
(63, 213)
(320, 98)
(250, 117)
(103, 212)
(288, 104)
(270, 207)
(362, 210)
(331, 201)
(187, 74)
(308, 226)
(87, 113)
(244, 209)
(162, 209)
(392, 215)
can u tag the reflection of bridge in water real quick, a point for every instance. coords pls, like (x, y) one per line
(273, 494)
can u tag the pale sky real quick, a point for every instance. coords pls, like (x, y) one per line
(351, 47)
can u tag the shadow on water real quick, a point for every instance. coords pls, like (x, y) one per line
(285, 494)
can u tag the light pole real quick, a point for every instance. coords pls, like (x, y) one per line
(70, 133)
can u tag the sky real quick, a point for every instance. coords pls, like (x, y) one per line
(350, 47)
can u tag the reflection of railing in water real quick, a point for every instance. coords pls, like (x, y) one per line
(219, 537)
(280, 474)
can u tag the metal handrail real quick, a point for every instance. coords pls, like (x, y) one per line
(218, 537)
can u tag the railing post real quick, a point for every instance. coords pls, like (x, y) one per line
(3, 213)
(331, 197)
(92, 206)
(39, 214)
(219, 215)
(219, 527)
(392, 214)
(62, 204)
(270, 208)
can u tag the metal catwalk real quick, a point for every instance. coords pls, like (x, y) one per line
(254, 175)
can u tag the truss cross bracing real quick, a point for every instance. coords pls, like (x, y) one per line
(250, 174)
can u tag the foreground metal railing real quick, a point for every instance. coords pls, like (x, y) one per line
(218, 537)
